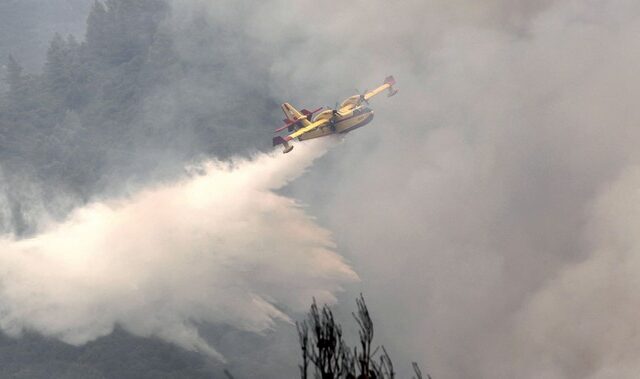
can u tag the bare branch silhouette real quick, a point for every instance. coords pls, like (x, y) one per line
(324, 348)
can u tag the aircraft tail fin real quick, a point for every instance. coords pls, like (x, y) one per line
(278, 140)
(391, 82)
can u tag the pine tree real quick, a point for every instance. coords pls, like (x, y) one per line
(16, 81)
(324, 349)
(62, 75)
(23, 94)
(97, 29)
(57, 72)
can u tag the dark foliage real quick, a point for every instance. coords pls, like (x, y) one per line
(118, 109)
(325, 351)
(123, 108)
(58, 130)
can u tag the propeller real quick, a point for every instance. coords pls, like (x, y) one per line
(334, 114)
(362, 98)
(334, 110)
(335, 107)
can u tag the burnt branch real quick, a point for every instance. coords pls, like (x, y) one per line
(324, 348)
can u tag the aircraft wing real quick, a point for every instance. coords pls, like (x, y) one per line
(307, 129)
(279, 140)
(388, 85)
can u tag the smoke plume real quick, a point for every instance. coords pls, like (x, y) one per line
(218, 247)
(490, 207)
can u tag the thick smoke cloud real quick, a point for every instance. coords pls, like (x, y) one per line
(468, 206)
(587, 315)
(218, 247)
(489, 209)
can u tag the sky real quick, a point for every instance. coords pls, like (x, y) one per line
(488, 212)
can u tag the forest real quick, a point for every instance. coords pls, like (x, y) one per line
(121, 108)
(107, 113)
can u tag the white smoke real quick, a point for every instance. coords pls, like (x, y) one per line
(468, 205)
(219, 247)
(594, 300)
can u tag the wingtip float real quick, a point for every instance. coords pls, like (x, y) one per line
(352, 114)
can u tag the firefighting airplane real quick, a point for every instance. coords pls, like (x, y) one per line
(352, 114)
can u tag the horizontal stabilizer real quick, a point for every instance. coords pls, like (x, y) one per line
(309, 113)
(284, 142)
(281, 128)
(390, 80)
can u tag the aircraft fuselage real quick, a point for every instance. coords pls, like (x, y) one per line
(343, 123)
(352, 114)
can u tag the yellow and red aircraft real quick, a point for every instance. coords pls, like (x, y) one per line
(350, 115)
